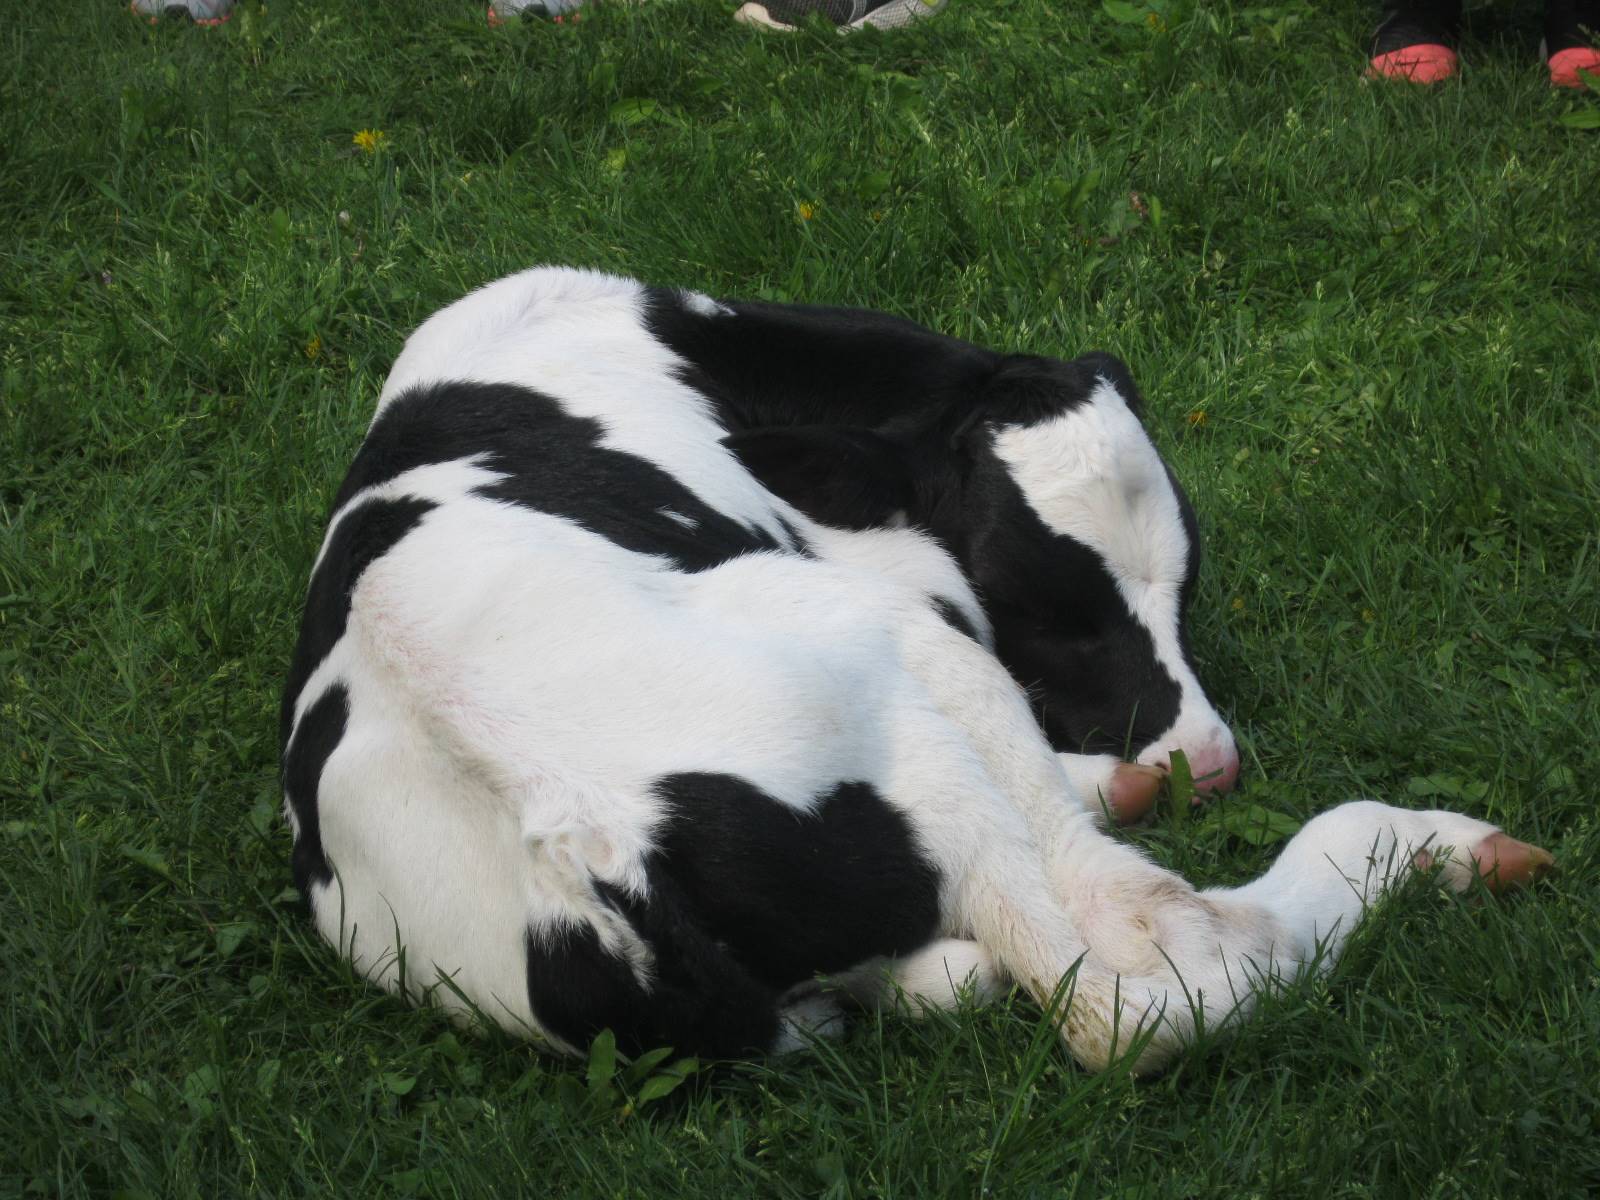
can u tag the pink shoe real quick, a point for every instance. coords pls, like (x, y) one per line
(1571, 41)
(1427, 63)
(1565, 65)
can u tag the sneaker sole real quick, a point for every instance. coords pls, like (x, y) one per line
(894, 15)
(1427, 63)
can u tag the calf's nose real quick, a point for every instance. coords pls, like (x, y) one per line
(1215, 769)
(1213, 765)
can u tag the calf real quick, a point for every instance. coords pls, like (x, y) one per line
(664, 656)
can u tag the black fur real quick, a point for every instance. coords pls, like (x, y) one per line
(849, 478)
(319, 733)
(366, 534)
(699, 1001)
(790, 893)
(955, 618)
(792, 364)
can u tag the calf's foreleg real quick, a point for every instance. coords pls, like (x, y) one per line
(1164, 958)
(1146, 958)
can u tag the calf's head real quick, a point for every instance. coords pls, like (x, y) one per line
(1076, 537)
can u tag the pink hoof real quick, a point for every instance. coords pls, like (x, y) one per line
(1505, 863)
(1134, 788)
(1424, 63)
(1565, 65)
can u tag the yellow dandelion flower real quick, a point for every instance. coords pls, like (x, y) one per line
(314, 346)
(1197, 418)
(806, 211)
(370, 140)
(1238, 604)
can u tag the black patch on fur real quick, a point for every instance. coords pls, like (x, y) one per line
(797, 543)
(770, 365)
(955, 618)
(794, 894)
(849, 478)
(316, 737)
(1191, 571)
(792, 364)
(552, 462)
(747, 897)
(699, 1002)
(366, 534)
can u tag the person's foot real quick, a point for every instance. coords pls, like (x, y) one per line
(201, 12)
(560, 10)
(1416, 41)
(1571, 41)
(848, 15)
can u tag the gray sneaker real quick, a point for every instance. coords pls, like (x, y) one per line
(848, 15)
(499, 10)
(201, 12)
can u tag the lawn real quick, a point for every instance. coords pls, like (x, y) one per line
(1366, 318)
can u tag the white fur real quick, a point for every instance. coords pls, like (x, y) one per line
(516, 682)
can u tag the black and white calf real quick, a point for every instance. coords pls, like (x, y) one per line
(665, 655)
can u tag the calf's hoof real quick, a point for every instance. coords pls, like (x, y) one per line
(1505, 864)
(1133, 792)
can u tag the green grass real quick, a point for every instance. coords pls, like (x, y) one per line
(1384, 302)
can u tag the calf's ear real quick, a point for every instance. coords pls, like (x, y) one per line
(849, 478)
(1028, 388)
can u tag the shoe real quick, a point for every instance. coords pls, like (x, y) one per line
(1571, 38)
(201, 12)
(1416, 41)
(499, 10)
(848, 15)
